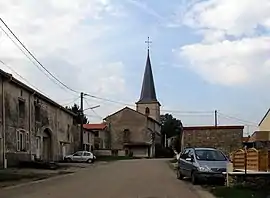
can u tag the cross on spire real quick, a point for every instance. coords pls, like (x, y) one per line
(148, 43)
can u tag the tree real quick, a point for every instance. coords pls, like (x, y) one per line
(76, 109)
(172, 127)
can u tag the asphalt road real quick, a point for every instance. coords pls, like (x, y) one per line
(121, 179)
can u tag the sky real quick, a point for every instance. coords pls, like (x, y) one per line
(206, 54)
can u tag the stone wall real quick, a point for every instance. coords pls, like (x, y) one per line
(131, 120)
(225, 138)
(52, 117)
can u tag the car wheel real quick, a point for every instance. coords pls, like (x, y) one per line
(68, 160)
(178, 174)
(89, 161)
(194, 179)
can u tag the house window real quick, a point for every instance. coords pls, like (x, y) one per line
(88, 136)
(22, 141)
(96, 146)
(96, 133)
(21, 109)
(68, 133)
(147, 111)
(126, 135)
(37, 113)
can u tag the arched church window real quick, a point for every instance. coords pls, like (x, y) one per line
(147, 111)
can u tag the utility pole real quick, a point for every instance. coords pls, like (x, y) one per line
(81, 116)
(216, 118)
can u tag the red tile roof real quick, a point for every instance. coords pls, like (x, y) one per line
(101, 126)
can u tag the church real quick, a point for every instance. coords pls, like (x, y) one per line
(137, 132)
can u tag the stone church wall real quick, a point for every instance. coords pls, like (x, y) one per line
(225, 138)
(127, 119)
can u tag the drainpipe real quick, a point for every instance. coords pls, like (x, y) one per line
(4, 125)
(30, 125)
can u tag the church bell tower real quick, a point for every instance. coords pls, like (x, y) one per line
(148, 103)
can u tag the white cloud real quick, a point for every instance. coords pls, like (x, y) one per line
(63, 34)
(233, 50)
(234, 18)
(229, 62)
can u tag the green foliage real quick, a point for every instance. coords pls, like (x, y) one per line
(237, 192)
(76, 109)
(170, 125)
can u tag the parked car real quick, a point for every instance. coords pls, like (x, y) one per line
(202, 164)
(81, 156)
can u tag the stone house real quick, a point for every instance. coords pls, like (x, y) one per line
(32, 126)
(101, 136)
(225, 138)
(96, 137)
(264, 124)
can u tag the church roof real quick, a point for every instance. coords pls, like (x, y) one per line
(134, 111)
(148, 92)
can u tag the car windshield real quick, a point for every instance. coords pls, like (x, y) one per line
(210, 155)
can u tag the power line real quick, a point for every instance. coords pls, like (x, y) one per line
(239, 119)
(31, 59)
(93, 110)
(73, 101)
(22, 77)
(39, 63)
(131, 105)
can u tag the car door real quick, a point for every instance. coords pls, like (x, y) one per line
(77, 157)
(190, 164)
(86, 156)
(183, 165)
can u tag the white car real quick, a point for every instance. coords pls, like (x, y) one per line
(81, 156)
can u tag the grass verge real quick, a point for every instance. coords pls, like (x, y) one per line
(237, 192)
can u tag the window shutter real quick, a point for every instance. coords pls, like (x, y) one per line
(27, 141)
(18, 140)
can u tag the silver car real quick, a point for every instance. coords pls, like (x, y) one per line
(201, 164)
(81, 156)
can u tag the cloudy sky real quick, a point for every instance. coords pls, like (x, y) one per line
(206, 55)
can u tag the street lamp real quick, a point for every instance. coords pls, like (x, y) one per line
(92, 107)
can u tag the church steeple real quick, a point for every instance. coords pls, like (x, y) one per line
(148, 92)
(148, 103)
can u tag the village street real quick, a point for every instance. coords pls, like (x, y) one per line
(121, 179)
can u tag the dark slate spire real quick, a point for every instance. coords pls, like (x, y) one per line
(148, 92)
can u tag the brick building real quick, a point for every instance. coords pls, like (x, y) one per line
(32, 125)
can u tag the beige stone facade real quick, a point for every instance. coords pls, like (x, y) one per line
(32, 125)
(100, 136)
(133, 132)
(153, 108)
(264, 125)
(225, 138)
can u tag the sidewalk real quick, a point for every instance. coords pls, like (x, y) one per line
(16, 176)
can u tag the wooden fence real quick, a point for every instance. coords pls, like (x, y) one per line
(256, 160)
